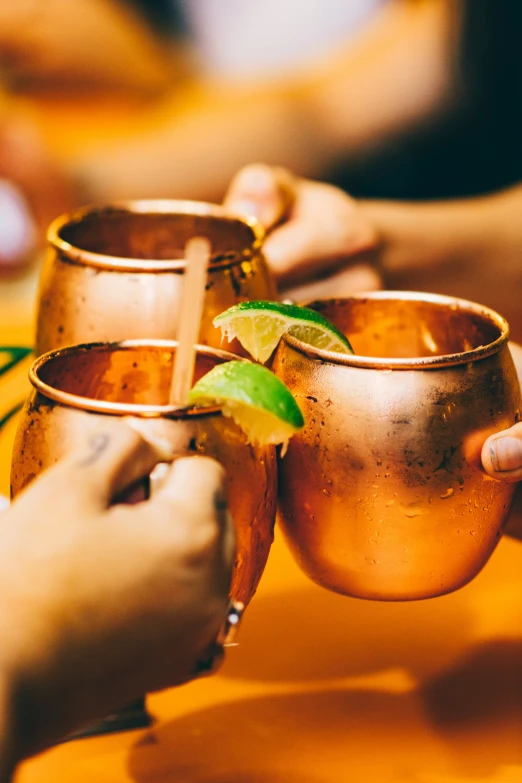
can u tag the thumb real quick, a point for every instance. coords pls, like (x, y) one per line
(502, 454)
(264, 192)
(111, 460)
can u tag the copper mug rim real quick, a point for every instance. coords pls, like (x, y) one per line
(418, 363)
(121, 408)
(151, 207)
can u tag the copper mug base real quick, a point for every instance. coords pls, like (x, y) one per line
(382, 495)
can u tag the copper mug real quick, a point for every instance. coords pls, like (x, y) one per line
(116, 272)
(382, 495)
(81, 389)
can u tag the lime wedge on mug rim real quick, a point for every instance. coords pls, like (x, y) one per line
(259, 326)
(254, 397)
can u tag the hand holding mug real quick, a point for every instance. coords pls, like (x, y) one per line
(101, 602)
(320, 244)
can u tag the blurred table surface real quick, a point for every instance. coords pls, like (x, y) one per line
(321, 688)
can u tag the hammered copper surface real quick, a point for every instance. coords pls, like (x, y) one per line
(116, 272)
(382, 494)
(81, 390)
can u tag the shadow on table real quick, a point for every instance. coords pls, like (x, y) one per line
(467, 723)
(312, 634)
(297, 738)
(476, 707)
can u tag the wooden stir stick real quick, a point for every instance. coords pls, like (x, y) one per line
(197, 256)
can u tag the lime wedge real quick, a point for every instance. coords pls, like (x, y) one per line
(260, 325)
(254, 397)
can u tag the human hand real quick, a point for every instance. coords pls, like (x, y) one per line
(102, 602)
(320, 243)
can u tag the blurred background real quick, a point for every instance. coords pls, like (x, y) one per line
(116, 99)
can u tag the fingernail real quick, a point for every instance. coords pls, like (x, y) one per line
(258, 179)
(245, 207)
(506, 454)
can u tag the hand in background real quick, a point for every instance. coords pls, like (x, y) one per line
(320, 244)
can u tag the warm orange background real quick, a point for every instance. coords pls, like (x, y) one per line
(321, 689)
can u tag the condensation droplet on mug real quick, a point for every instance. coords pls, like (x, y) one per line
(327, 493)
(449, 492)
(472, 533)
(413, 511)
(370, 562)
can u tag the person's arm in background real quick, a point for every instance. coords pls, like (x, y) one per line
(58, 43)
(400, 72)
(101, 603)
(328, 244)
(69, 49)
(470, 248)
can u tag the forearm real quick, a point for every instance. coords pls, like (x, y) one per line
(469, 249)
(471, 233)
(193, 145)
(401, 71)
(393, 76)
(97, 42)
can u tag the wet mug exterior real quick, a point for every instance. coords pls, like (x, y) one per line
(115, 272)
(382, 495)
(81, 390)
